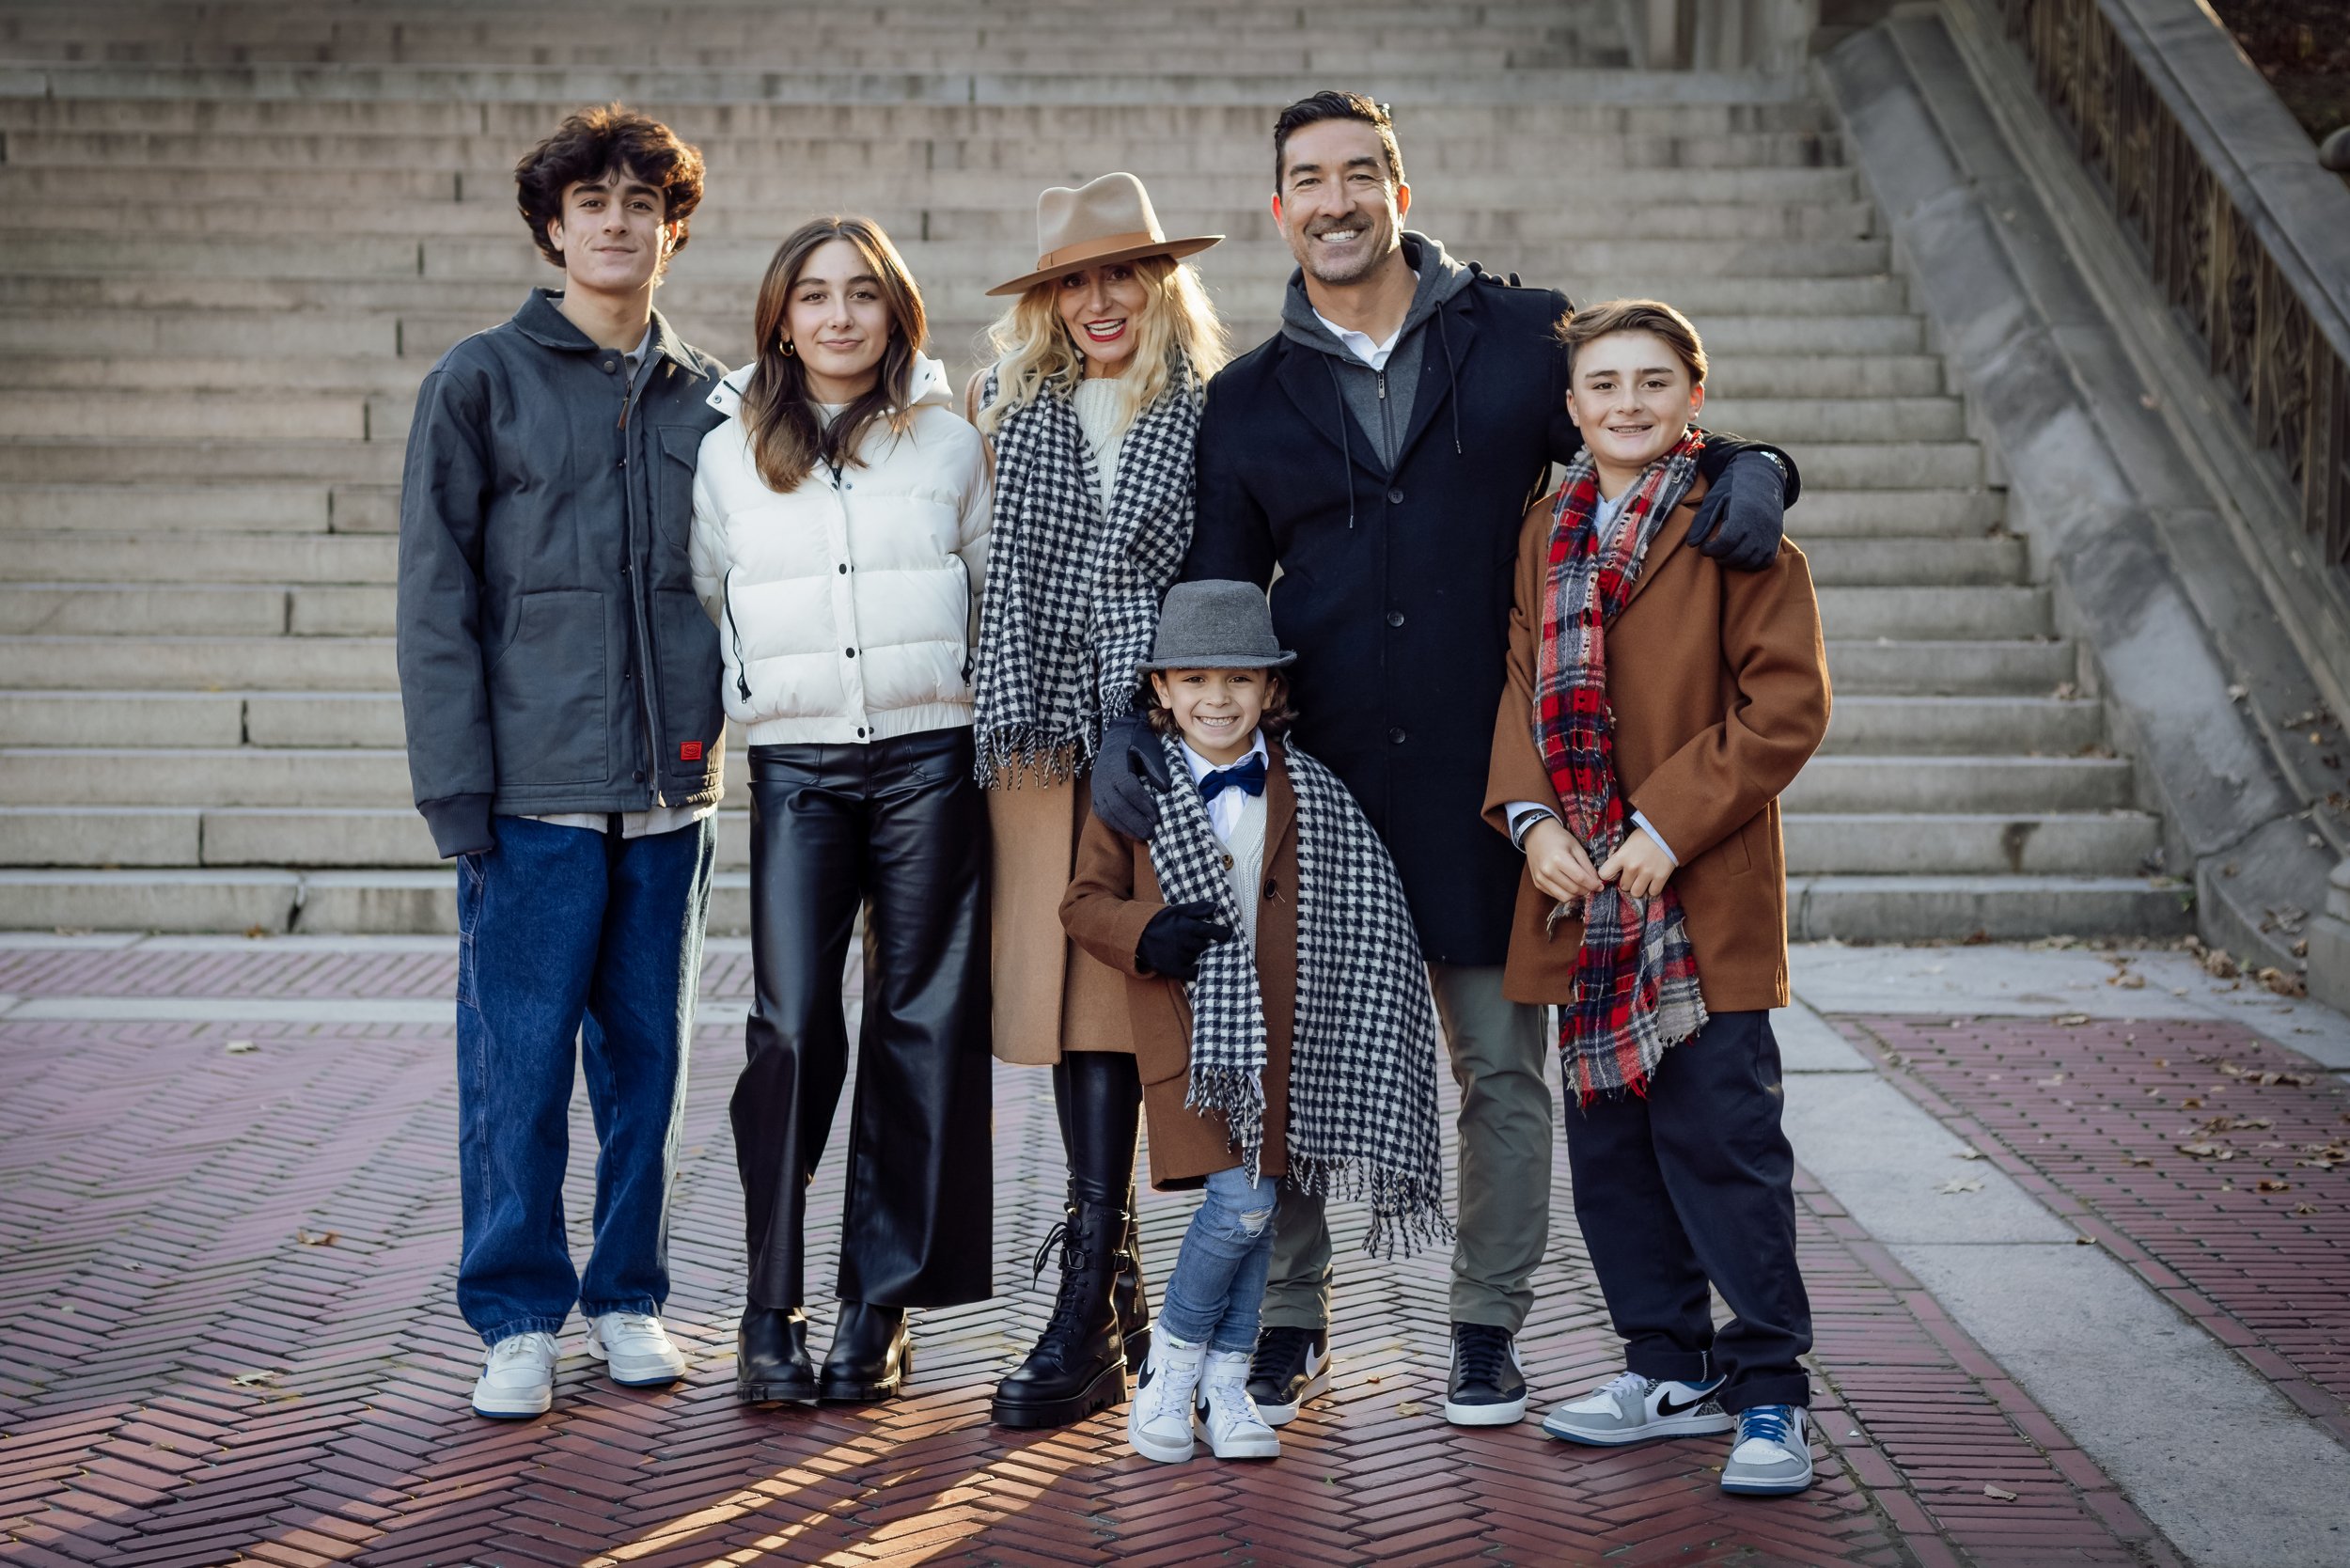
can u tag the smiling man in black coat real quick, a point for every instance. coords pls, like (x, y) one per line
(1379, 454)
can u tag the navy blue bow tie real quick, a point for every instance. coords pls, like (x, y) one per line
(1248, 775)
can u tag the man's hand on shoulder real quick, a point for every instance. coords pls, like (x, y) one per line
(1743, 516)
(1129, 776)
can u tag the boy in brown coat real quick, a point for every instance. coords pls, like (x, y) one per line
(1281, 1015)
(1656, 706)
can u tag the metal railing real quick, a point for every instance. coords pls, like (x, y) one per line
(2270, 334)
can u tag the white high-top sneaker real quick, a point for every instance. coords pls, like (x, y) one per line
(1158, 1422)
(517, 1379)
(1235, 1429)
(636, 1348)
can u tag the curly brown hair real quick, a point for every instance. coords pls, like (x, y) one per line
(1275, 721)
(595, 142)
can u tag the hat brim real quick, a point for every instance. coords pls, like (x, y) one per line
(1219, 660)
(1174, 250)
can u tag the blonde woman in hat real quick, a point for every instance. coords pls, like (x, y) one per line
(1090, 411)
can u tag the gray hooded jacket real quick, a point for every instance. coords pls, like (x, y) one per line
(1382, 399)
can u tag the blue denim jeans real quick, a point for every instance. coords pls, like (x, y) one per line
(1217, 1289)
(576, 950)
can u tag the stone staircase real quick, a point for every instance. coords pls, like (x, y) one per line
(246, 230)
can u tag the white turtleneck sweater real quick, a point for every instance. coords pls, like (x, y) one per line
(1096, 402)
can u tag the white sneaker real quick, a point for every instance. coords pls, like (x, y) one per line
(1234, 1428)
(517, 1379)
(635, 1349)
(1158, 1422)
(1771, 1456)
(1632, 1409)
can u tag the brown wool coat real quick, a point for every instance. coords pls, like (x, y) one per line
(1719, 685)
(1050, 996)
(1112, 896)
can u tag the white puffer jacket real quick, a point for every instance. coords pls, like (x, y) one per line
(846, 609)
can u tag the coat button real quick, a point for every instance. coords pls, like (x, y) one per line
(1395, 497)
(640, 775)
(1227, 862)
(1395, 617)
(844, 568)
(1396, 736)
(860, 734)
(609, 367)
(851, 652)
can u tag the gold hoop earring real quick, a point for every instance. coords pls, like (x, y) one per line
(787, 350)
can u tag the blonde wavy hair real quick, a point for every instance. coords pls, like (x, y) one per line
(1180, 335)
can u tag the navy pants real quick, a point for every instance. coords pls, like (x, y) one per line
(576, 950)
(1694, 1184)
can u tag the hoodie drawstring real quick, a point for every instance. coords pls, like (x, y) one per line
(1346, 441)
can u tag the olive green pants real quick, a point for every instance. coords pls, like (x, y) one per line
(1503, 1185)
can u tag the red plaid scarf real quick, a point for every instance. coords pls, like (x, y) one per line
(1636, 980)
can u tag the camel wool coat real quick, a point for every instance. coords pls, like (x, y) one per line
(1718, 684)
(1112, 896)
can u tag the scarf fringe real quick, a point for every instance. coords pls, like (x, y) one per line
(1407, 1212)
(1016, 753)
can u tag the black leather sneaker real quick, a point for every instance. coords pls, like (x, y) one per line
(1488, 1386)
(1291, 1366)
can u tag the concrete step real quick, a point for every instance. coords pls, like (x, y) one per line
(210, 609)
(200, 557)
(1879, 514)
(230, 775)
(1970, 784)
(1993, 908)
(1934, 614)
(1924, 843)
(57, 459)
(183, 416)
(273, 509)
(205, 719)
(1883, 666)
(136, 662)
(300, 837)
(273, 902)
(1889, 466)
(1840, 561)
(1920, 725)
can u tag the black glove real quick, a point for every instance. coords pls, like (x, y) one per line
(1129, 776)
(1177, 935)
(1743, 516)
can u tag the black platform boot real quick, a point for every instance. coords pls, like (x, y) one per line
(872, 1353)
(771, 1357)
(1079, 1364)
(1129, 1293)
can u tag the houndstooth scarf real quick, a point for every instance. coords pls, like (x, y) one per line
(1073, 598)
(1362, 1119)
(1636, 980)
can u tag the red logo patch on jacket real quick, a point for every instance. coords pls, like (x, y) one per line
(689, 751)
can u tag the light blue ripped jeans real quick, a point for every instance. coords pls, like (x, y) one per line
(1217, 1289)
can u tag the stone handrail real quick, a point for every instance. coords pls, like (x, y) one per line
(2242, 230)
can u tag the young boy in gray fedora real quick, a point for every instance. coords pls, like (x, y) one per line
(1283, 1025)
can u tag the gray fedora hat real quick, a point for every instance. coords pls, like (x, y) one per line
(1217, 626)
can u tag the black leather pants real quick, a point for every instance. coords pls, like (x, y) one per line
(1098, 1095)
(896, 825)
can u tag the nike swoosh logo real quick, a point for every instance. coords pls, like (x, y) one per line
(1665, 1406)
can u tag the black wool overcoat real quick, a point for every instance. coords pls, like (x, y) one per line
(1395, 586)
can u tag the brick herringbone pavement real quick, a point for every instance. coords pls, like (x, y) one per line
(228, 1338)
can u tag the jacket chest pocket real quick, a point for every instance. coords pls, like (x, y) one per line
(678, 449)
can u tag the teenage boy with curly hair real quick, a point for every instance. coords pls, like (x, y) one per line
(560, 687)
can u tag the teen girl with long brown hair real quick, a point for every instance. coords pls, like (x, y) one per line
(841, 524)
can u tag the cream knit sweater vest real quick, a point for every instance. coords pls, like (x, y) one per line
(1244, 864)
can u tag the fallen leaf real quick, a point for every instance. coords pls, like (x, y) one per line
(1410, 1407)
(1962, 1183)
(2305, 1208)
(2139, 1159)
(2201, 1151)
(256, 1379)
(2193, 1101)
(317, 1238)
(2072, 1020)
(2272, 1185)
(241, 1048)
(2000, 1492)
(2127, 981)
(1970, 1154)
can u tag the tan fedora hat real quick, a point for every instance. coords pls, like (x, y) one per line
(1102, 221)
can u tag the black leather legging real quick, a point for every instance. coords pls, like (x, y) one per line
(896, 825)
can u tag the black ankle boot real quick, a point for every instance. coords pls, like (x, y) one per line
(1079, 1363)
(1130, 1294)
(771, 1357)
(872, 1353)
